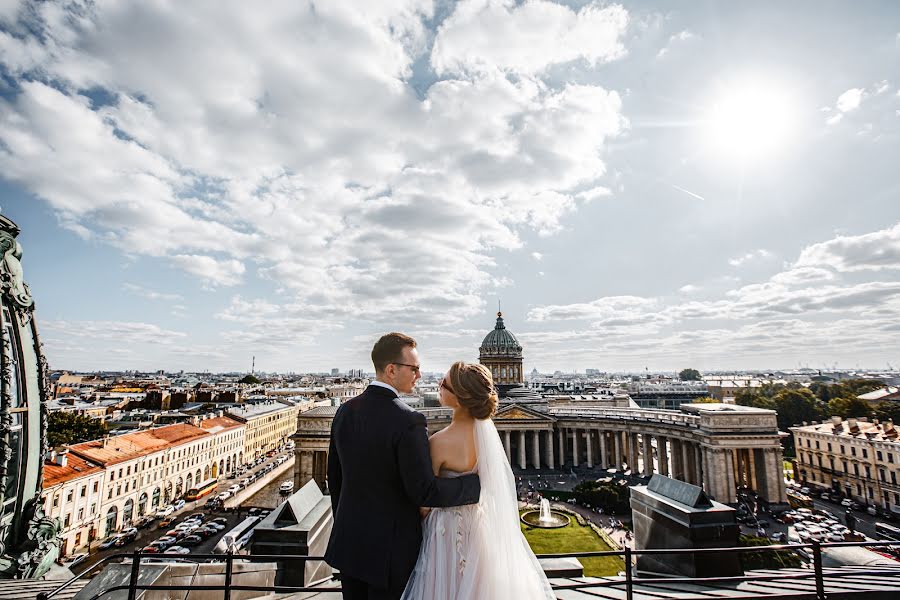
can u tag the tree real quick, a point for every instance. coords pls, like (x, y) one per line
(689, 375)
(849, 407)
(70, 428)
(793, 407)
(888, 411)
(706, 400)
(250, 379)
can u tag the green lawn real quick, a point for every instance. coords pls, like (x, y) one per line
(574, 538)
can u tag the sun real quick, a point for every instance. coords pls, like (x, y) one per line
(749, 120)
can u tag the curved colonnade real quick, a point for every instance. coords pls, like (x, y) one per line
(717, 447)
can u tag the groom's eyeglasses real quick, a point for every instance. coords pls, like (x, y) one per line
(413, 368)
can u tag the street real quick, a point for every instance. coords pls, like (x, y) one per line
(154, 531)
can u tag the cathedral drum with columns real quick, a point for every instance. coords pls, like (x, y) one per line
(720, 447)
(501, 352)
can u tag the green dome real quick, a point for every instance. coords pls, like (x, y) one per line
(500, 342)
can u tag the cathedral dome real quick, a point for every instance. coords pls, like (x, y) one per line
(500, 342)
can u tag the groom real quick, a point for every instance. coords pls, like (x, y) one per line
(379, 474)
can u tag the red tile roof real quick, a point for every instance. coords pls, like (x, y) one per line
(120, 448)
(217, 424)
(75, 467)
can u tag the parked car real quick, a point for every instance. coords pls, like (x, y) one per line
(777, 537)
(216, 526)
(835, 537)
(109, 542)
(871, 510)
(178, 504)
(213, 503)
(152, 548)
(220, 520)
(847, 502)
(224, 496)
(178, 550)
(168, 539)
(145, 521)
(234, 489)
(74, 560)
(825, 496)
(805, 491)
(165, 511)
(127, 538)
(191, 540)
(166, 522)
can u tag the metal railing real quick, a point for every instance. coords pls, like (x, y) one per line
(628, 582)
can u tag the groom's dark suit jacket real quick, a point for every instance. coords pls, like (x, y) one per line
(379, 474)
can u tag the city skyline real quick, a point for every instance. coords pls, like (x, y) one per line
(639, 186)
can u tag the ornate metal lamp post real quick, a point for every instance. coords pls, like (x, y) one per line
(29, 541)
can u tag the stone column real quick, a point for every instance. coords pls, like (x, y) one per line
(701, 466)
(663, 451)
(521, 449)
(590, 448)
(549, 455)
(507, 445)
(775, 475)
(536, 450)
(648, 454)
(575, 433)
(617, 449)
(305, 469)
(677, 466)
(751, 464)
(633, 450)
(727, 475)
(604, 455)
(687, 459)
(562, 447)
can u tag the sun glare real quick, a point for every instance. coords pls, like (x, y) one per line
(749, 121)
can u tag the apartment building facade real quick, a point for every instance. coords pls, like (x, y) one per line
(854, 458)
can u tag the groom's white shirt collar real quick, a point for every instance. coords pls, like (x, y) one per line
(385, 385)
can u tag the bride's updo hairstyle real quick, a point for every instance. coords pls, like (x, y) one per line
(473, 386)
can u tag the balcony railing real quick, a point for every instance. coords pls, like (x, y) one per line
(626, 583)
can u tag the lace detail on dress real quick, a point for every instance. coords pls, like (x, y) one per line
(460, 546)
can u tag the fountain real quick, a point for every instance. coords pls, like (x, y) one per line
(545, 518)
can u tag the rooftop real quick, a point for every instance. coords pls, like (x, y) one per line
(118, 449)
(217, 424)
(854, 428)
(256, 409)
(75, 468)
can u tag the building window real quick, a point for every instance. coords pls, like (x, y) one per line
(890, 457)
(853, 451)
(817, 445)
(83, 491)
(67, 521)
(881, 474)
(878, 455)
(96, 486)
(843, 451)
(829, 446)
(55, 500)
(69, 496)
(865, 453)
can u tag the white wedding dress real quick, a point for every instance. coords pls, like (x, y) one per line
(478, 551)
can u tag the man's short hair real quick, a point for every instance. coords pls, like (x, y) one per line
(389, 349)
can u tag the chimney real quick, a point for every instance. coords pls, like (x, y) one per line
(836, 421)
(51, 455)
(62, 457)
(851, 424)
(105, 440)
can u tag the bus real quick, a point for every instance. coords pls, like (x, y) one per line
(197, 492)
(889, 531)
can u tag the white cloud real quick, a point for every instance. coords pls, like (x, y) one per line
(850, 100)
(754, 255)
(680, 37)
(537, 255)
(215, 272)
(873, 251)
(602, 308)
(689, 289)
(139, 290)
(882, 86)
(526, 37)
(309, 160)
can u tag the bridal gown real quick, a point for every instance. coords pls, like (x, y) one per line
(477, 551)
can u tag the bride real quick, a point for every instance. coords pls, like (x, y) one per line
(478, 550)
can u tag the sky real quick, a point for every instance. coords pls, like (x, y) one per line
(639, 185)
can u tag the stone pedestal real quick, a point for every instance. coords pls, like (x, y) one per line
(669, 513)
(300, 525)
